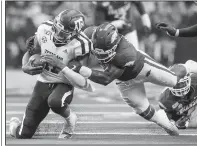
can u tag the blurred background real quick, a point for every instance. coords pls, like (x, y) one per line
(23, 18)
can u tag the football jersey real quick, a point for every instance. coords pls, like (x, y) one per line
(178, 106)
(127, 57)
(78, 46)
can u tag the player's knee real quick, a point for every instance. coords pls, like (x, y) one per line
(148, 113)
(55, 102)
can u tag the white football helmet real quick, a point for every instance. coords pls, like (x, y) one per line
(182, 87)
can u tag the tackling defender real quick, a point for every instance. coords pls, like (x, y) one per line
(180, 102)
(62, 40)
(190, 31)
(131, 68)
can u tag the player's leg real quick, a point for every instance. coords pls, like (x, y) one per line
(135, 96)
(59, 101)
(35, 112)
(156, 73)
(133, 38)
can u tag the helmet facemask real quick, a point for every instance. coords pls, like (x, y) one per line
(105, 56)
(61, 36)
(182, 87)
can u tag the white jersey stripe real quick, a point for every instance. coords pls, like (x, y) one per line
(65, 96)
(21, 128)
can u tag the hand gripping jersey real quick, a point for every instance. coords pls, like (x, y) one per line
(78, 46)
(176, 107)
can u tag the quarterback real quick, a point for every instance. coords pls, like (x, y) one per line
(180, 102)
(62, 40)
(131, 68)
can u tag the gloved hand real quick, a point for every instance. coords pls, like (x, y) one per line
(171, 31)
(30, 69)
(52, 60)
(75, 65)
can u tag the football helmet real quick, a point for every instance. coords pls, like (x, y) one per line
(182, 87)
(105, 41)
(66, 25)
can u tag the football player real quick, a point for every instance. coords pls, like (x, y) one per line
(190, 31)
(62, 40)
(120, 14)
(180, 102)
(131, 68)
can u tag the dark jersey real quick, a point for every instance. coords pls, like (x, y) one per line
(118, 10)
(176, 107)
(114, 10)
(127, 57)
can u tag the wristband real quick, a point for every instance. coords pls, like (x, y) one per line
(177, 33)
(65, 69)
(85, 72)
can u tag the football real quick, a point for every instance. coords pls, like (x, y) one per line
(37, 61)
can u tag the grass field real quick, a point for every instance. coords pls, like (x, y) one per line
(103, 117)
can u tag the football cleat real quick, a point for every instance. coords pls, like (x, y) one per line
(14, 124)
(170, 128)
(69, 127)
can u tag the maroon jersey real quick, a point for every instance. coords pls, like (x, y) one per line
(176, 107)
(129, 58)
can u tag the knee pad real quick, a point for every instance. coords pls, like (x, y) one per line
(148, 113)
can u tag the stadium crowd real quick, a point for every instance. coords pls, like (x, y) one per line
(20, 26)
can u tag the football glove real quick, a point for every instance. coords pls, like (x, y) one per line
(75, 65)
(30, 69)
(53, 61)
(171, 31)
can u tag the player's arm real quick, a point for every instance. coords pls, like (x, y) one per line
(144, 16)
(100, 77)
(190, 31)
(32, 47)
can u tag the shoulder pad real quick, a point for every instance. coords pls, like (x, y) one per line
(44, 26)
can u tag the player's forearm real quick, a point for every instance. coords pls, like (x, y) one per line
(77, 80)
(188, 32)
(25, 58)
(103, 78)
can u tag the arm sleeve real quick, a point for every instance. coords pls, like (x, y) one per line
(188, 32)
